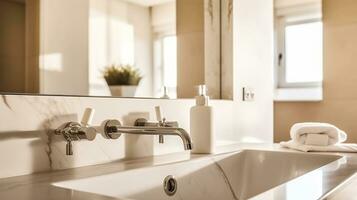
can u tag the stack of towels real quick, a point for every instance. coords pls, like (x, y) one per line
(321, 137)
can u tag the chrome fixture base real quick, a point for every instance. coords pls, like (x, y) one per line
(111, 129)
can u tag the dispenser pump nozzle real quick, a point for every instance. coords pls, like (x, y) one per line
(202, 90)
(202, 98)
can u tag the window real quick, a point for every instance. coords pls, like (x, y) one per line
(165, 64)
(170, 62)
(300, 53)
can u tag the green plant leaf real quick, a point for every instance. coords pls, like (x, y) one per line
(122, 75)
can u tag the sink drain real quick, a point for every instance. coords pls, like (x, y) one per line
(170, 185)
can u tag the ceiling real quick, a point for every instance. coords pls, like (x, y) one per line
(149, 2)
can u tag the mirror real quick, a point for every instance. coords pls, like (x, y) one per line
(121, 48)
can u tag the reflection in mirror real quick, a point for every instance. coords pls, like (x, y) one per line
(16, 39)
(299, 44)
(123, 48)
(120, 33)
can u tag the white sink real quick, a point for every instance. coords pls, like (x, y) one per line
(239, 175)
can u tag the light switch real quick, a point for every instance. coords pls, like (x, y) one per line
(248, 94)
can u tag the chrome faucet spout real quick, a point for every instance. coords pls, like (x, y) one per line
(186, 139)
(113, 130)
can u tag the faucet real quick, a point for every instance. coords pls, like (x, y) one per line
(74, 131)
(113, 129)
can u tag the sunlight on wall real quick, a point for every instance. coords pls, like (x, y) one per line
(121, 42)
(51, 62)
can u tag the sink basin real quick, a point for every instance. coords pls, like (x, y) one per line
(239, 175)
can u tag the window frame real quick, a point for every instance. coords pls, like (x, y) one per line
(282, 23)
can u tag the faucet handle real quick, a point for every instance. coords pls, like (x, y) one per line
(76, 131)
(73, 131)
(158, 112)
(161, 121)
(87, 116)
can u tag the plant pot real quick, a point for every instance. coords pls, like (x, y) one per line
(123, 90)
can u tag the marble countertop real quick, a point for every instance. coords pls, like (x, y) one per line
(40, 186)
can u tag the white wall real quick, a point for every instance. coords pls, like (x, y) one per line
(253, 67)
(163, 18)
(140, 18)
(64, 47)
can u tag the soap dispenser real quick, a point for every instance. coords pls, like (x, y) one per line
(201, 123)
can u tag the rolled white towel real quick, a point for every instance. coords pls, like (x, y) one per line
(300, 133)
(317, 139)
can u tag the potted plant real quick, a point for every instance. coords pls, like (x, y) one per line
(122, 80)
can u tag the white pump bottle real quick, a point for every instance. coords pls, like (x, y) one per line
(202, 124)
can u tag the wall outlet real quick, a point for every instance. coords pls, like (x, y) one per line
(248, 94)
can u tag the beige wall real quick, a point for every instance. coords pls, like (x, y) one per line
(198, 32)
(212, 43)
(190, 46)
(12, 46)
(339, 105)
(227, 49)
(64, 47)
(32, 78)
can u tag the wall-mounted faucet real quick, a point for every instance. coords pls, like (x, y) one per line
(74, 131)
(113, 129)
